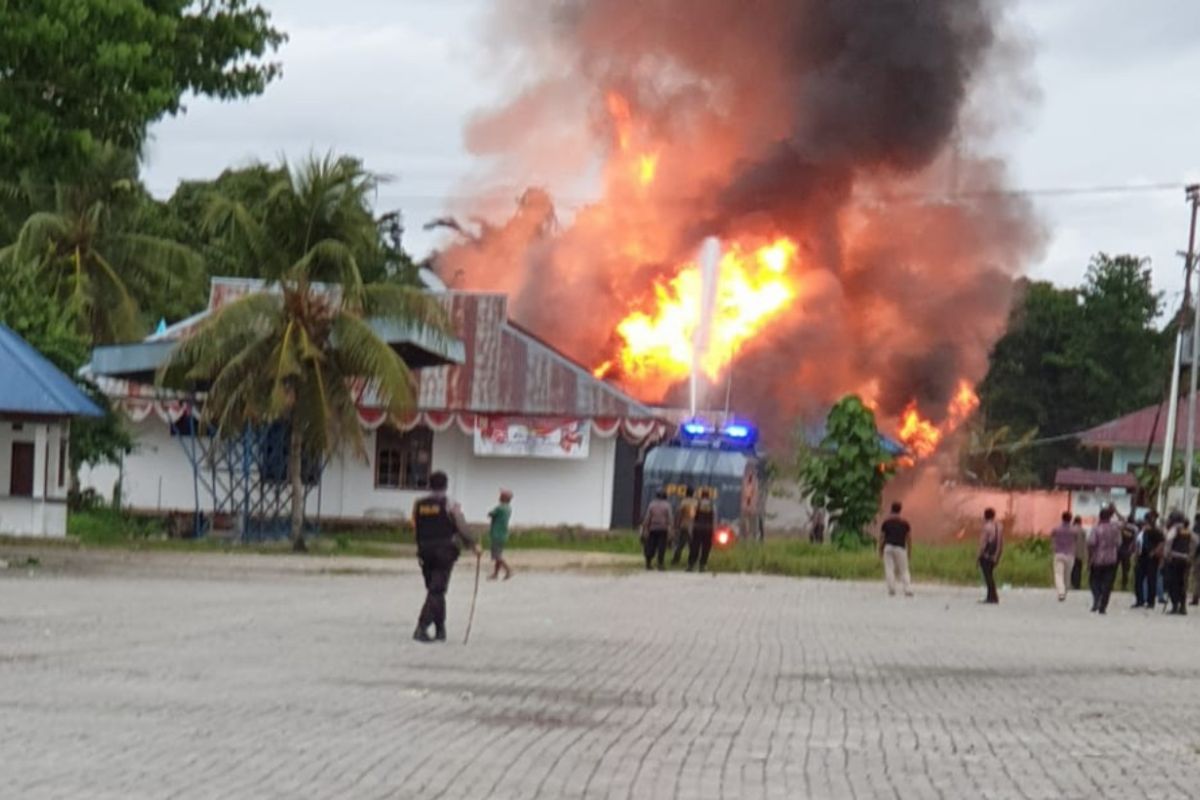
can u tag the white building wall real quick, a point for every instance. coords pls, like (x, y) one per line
(158, 478)
(1125, 457)
(546, 491)
(157, 473)
(45, 512)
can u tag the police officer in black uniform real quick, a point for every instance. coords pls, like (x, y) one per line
(1179, 549)
(441, 533)
(702, 531)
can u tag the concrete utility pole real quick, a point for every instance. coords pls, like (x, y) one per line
(1193, 195)
(1168, 461)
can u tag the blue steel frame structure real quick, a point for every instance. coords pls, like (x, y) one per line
(246, 476)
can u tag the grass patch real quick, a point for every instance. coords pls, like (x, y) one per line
(103, 526)
(620, 542)
(1026, 562)
(944, 563)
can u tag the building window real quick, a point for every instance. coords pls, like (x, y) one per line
(403, 458)
(62, 462)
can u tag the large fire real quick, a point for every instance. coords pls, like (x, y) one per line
(752, 287)
(850, 262)
(922, 436)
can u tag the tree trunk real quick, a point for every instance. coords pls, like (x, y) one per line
(296, 476)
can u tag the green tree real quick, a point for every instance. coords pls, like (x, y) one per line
(247, 192)
(293, 355)
(846, 473)
(50, 328)
(90, 255)
(1073, 358)
(76, 74)
(996, 458)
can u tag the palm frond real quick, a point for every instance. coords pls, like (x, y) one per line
(40, 235)
(231, 220)
(120, 311)
(235, 397)
(406, 304)
(360, 353)
(219, 338)
(331, 261)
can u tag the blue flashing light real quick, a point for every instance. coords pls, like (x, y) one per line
(737, 431)
(696, 428)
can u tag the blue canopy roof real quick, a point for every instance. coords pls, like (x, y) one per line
(32, 385)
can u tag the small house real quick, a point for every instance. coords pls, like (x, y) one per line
(37, 403)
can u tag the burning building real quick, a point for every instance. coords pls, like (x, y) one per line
(835, 149)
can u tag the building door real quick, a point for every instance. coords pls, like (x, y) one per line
(20, 482)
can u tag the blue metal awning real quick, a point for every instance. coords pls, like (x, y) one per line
(31, 386)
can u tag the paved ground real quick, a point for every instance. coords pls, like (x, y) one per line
(171, 680)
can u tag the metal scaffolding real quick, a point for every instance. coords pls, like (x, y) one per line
(246, 477)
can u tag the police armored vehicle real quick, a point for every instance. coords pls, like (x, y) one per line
(722, 461)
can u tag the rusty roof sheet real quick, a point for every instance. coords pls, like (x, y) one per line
(508, 370)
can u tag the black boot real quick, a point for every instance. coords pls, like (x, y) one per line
(440, 634)
(422, 634)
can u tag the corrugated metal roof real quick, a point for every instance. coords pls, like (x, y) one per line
(32, 385)
(502, 369)
(1135, 430)
(138, 361)
(508, 370)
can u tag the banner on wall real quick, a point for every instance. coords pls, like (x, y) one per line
(510, 437)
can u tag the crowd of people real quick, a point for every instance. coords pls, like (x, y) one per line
(1163, 559)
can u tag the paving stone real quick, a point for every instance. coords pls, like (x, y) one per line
(181, 682)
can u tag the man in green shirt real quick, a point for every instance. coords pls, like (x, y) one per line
(498, 534)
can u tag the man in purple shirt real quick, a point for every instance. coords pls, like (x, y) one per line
(1063, 540)
(1104, 542)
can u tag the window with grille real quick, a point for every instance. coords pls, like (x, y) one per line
(403, 458)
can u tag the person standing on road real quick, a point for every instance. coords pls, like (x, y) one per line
(895, 547)
(683, 526)
(991, 548)
(656, 527)
(702, 531)
(1104, 544)
(1178, 563)
(1125, 552)
(1149, 556)
(1080, 552)
(498, 534)
(441, 530)
(1063, 540)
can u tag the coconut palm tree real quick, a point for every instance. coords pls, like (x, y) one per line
(81, 238)
(294, 352)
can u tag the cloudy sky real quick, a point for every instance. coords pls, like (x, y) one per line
(393, 81)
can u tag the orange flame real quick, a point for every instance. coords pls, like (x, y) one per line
(752, 287)
(647, 166)
(963, 404)
(922, 437)
(618, 109)
(919, 435)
